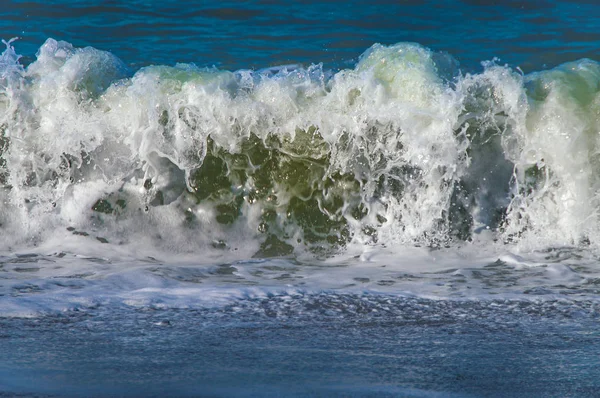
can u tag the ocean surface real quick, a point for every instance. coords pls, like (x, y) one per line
(300, 199)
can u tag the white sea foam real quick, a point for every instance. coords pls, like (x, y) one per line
(196, 167)
(41, 282)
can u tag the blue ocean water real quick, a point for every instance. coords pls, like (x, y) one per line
(534, 35)
(257, 198)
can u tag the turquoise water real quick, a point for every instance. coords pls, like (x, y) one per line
(300, 199)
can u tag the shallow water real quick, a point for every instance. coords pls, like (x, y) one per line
(324, 344)
(182, 215)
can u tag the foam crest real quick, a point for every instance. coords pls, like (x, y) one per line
(556, 162)
(401, 149)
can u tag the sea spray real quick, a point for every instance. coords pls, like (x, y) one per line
(401, 149)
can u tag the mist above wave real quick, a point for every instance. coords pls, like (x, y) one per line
(402, 149)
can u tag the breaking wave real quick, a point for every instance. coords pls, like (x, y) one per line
(404, 149)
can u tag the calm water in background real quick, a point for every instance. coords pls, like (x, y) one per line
(326, 345)
(254, 34)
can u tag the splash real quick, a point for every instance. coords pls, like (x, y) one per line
(401, 149)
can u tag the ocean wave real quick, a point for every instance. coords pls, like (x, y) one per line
(402, 149)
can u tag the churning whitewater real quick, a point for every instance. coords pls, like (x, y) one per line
(403, 149)
(287, 217)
